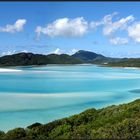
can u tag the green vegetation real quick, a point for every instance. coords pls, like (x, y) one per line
(25, 59)
(91, 57)
(126, 62)
(87, 55)
(62, 59)
(113, 122)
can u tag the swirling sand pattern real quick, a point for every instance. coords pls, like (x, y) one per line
(43, 94)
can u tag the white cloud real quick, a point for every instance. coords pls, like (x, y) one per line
(16, 27)
(13, 52)
(24, 51)
(134, 32)
(8, 53)
(106, 20)
(40, 30)
(56, 51)
(72, 51)
(121, 24)
(118, 41)
(64, 27)
(110, 27)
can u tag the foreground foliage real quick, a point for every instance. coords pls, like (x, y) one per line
(113, 122)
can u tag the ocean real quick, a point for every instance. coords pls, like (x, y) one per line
(46, 93)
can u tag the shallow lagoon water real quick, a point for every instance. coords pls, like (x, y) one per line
(43, 94)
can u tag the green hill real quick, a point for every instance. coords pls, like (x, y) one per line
(25, 59)
(126, 62)
(87, 55)
(94, 58)
(113, 122)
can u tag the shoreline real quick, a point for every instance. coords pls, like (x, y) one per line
(107, 66)
(9, 70)
(12, 68)
(103, 108)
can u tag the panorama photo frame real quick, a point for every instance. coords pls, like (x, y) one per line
(69, 69)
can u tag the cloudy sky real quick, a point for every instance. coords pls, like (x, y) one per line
(108, 28)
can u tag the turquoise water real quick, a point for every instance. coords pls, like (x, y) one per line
(43, 94)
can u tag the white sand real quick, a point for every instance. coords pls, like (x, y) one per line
(131, 68)
(9, 70)
(72, 94)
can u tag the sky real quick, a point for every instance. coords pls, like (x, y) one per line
(108, 28)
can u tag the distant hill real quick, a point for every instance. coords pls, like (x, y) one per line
(91, 57)
(24, 59)
(87, 55)
(113, 122)
(62, 59)
(126, 62)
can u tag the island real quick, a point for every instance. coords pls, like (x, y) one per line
(80, 57)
